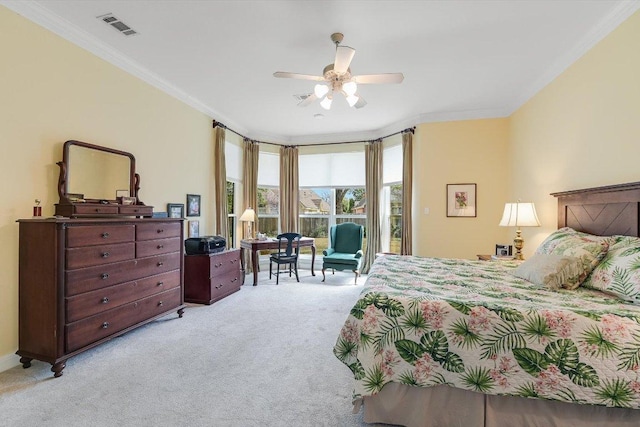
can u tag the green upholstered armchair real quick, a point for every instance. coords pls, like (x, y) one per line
(345, 252)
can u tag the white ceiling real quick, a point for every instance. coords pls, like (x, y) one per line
(461, 59)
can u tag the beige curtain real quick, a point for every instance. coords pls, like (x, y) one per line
(407, 188)
(250, 191)
(373, 182)
(220, 185)
(289, 193)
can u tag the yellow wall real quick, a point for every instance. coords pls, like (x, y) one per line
(472, 151)
(582, 130)
(52, 91)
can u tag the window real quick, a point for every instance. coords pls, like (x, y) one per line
(268, 193)
(331, 192)
(392, 195)
(268, 210)
(231, 211)
(322, 207)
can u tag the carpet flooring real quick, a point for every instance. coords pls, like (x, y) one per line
(260, 357)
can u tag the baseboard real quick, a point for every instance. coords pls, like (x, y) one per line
(9, 361)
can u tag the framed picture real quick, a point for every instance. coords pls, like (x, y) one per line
(194, 228)
(193, 205)
(461, 200)
(175, 210)
(504, 250)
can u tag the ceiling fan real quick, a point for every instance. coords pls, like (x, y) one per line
(337, 78)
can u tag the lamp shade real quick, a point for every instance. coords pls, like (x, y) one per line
(519, 215)
(248, 215)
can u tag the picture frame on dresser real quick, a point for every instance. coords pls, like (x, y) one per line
(193, 205)
(175, 210)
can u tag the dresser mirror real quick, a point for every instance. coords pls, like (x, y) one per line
(98, 181)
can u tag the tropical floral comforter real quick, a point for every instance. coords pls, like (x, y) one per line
(472, 325)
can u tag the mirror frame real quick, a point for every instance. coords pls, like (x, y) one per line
(74, 208)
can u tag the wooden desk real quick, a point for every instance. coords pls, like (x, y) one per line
(257, 245)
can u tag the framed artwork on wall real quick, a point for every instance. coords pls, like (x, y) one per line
(461, 200)
(193, 205)
(194, 228)
(175, 210)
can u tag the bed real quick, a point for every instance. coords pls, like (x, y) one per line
(442, 342)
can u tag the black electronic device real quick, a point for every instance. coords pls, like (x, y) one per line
(204, 245)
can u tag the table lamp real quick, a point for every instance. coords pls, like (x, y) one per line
(249, 215)
(519, 215)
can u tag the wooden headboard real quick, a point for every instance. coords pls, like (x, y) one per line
(602, 211)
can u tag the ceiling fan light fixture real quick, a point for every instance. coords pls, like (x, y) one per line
(326, 103)
(320, 90)
(350, 88)
(352, 99)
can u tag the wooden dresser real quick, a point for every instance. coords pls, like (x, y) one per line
(209, 278)
(85, 281)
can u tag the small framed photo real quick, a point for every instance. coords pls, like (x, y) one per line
(175, 210)
(504, 250)
(461, 200)
(122, 193)
(194, 228)
(193, 205)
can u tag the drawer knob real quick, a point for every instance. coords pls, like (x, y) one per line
(105, 254)
(105, 300)
(160, 246)
(105, 325)
(234, 280)
(160, 304)
(97, 209)
(160, 230)
(160, 283)
(104, 276)
(160, 264)
(105, 235)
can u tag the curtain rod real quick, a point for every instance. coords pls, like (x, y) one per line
(218, 124)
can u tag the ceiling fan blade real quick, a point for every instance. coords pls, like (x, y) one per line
(344, 55)
(286, 75)
(308, 100)
(361, 102)
(379, 78)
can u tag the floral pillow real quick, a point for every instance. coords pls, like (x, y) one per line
(619, 271)
(551, 271)
(589, 250)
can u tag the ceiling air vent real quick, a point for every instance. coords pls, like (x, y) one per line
(302, 97)
(117, 24)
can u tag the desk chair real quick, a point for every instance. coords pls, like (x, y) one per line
(286, 254)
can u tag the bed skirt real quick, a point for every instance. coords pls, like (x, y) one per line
(444, 406)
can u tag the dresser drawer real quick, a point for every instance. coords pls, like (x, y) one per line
(158, 230)
(224, 285)
(94, 209)
(96, 255)
(225, 261)
(94, 328)
(158, 264)
(136, 210)
(98, 277)
(156, 247)
(94, 302)
(92, 278)
(99, 235)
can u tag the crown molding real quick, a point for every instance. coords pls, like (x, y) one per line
(34, 12)
(599, 31)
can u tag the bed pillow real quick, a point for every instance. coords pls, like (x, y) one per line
(551, 271)
(589, 249)
(619, 271)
